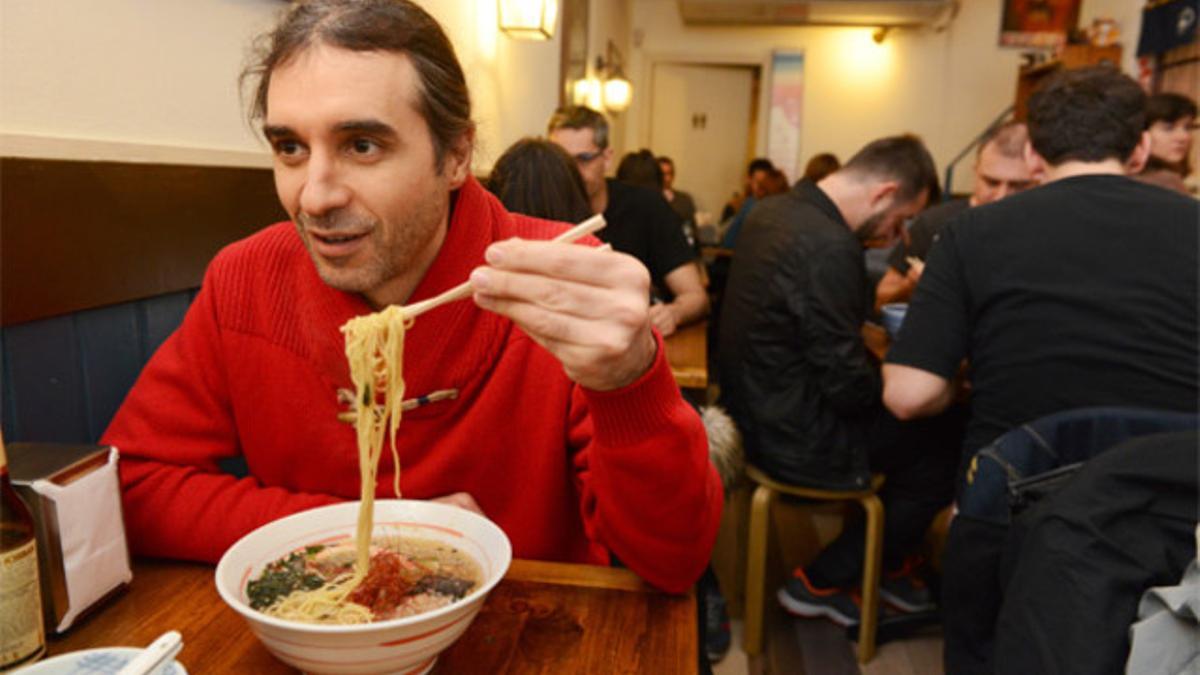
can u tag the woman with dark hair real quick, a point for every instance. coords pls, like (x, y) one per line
(821, 165)
(641, 169)
(538, 178)
(1170, 119)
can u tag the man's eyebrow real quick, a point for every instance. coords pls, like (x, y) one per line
(367, 126)
(272, 131)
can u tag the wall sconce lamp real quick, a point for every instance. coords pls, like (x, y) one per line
(618, 92)
(528, 19)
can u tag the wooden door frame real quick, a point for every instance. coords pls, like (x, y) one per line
(760, 64)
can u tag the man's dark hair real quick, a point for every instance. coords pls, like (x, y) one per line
(1086, 115)
(374, 25)
(663, 159)
(759, 164)
(538, 178)
(580, 117)
(640, 168)
(1168, 107)
(903, 159)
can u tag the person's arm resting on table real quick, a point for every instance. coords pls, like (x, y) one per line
(647, 491)
(690, 303)
(919, 375)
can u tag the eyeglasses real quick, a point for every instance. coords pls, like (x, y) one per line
(585, 157)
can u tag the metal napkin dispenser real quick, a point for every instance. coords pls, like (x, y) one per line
(74, 494)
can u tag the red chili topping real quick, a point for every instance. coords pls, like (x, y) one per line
(384, 586)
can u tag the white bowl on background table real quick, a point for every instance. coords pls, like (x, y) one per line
(405, 645)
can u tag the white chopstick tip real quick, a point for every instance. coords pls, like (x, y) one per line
(151, 659)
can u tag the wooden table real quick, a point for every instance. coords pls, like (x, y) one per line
(687, 352)
(541, 618)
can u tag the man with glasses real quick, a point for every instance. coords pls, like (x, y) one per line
(1000, 171)
(640, 222)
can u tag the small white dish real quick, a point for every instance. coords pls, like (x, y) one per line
(102, 661)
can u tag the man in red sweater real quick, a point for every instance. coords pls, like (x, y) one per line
(546, 402)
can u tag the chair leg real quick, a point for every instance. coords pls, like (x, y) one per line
(870, 580)
(756, 568)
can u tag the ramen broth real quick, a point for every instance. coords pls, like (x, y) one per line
(406, 576)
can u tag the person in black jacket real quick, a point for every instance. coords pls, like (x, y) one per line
(796, 375)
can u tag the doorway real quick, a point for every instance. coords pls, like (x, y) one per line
(704, 117)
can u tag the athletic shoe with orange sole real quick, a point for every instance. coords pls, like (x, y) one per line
(905, 590)
(800, 598)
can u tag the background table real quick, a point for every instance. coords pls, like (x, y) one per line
(541, 618)
(687, 352)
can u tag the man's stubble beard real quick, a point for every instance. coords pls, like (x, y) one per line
(867, 231)
(389, 252)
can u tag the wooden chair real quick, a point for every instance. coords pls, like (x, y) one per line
(765, 494)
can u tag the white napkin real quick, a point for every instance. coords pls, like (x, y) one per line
(92, 536)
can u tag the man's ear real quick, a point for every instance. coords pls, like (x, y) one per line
(607, 155)
(883, 193)
(458, 159)
(1140, 155)
(1036, 163)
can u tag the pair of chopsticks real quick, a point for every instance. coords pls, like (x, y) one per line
(593, 224)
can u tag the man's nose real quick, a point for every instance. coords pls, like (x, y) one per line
(324, 187)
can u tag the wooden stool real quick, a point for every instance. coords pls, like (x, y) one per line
(765, 495)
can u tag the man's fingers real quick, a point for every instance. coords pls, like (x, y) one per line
(582, 264)
(607, 331)
(556, 295)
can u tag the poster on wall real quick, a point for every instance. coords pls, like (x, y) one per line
(787, 102)
(1038, 23)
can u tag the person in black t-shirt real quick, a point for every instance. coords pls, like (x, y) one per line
(1081, 292)
(640, 222)
(1000, 170)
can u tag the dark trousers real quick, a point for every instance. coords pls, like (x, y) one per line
(971, 594)
(920, 461)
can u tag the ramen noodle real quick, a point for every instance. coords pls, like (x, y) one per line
(406, 576)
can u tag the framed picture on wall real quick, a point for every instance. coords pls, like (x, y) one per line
(1038, 23)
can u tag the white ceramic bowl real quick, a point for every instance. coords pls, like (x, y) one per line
(406, 645)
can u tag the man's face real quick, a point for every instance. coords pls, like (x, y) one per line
(1170, 141)
(668, 174)
(997, 176)
(355, 167)
(591, 159)
(885, 225)
(758, 182)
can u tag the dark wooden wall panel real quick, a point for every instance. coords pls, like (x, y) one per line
(77, 235)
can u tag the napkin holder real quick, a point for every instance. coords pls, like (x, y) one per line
(74, 494)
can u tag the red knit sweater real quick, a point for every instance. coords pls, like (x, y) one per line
(569, 474)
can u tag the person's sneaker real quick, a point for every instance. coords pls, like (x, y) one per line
(717, 637)
(800, 598)
(905, 590)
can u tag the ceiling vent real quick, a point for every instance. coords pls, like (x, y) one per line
(816, 12)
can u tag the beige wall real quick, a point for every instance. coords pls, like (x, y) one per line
(945, 86)
(156, 79)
